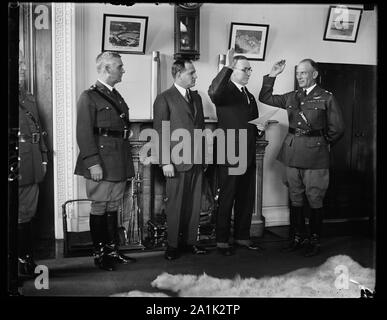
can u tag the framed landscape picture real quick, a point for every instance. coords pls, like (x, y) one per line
(342, 24)
(125, 34)
(249, 40)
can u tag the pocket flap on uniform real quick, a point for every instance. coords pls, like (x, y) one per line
(316, 106)
(314, 142)
(107, 144)
(103, 106)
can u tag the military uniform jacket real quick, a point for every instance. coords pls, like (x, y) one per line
(171, 106)
(322, 113)
(112, 153)
(234, 111)
(31, 154)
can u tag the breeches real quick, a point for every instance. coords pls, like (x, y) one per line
(311, 182)
(28, 202)
(105, 195)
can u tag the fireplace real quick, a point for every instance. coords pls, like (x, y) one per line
(143, 206)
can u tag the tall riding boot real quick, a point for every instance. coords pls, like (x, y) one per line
(26, 265)
(98, 235)
(315, 223)
(112, 239)
(297, 238)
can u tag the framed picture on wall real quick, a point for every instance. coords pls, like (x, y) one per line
(249, 40)
(126, 34)
(342, 24)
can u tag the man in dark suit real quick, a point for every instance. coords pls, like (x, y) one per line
(33, 167)
(235, 107)
(315, 123)
(105, 159)
(180, 108)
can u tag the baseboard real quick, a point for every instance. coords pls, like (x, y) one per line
(276, 216)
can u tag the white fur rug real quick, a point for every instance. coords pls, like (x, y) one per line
(338, 277)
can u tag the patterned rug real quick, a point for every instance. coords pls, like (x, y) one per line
(338, 277)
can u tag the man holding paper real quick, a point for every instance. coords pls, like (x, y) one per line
(235, 107)
(315, 123)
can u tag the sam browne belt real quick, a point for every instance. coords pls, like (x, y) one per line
(310, 133)
(33, 138)
(112, 133)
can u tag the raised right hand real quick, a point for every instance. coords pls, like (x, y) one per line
(230, 58)
(96, 172)
(169, 171)
(277, 68)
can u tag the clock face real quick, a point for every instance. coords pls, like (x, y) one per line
(189, 5)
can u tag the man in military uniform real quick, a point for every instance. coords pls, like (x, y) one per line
(105, 158)
(32, 169)
(315, 123)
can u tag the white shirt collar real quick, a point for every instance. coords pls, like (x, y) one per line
(106, 85)
(308, 90)
(239, 86)
(181, 89)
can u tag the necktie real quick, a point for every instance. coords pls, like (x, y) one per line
(189, 100)
(115, 93)
(188, 96)
(246, 95)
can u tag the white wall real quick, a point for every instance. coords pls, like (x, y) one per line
(295, 32)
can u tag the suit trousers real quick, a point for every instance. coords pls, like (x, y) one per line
(183, 205)
(238, 192)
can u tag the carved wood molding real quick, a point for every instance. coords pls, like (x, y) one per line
(64, 142)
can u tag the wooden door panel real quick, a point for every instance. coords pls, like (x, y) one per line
(352, 172)
(351, 188)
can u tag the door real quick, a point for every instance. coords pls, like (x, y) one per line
(35, 36)
(352, 188)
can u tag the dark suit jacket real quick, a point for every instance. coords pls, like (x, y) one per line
(171, 106)
(31, 154)
(322, 113)
(233, 110)
(112, 153)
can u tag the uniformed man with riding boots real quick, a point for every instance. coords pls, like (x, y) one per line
(32, 170)
(315, 124)
(105, 159)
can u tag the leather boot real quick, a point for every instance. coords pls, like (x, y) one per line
(26, 263)
(112, 240)
(315, 223)
(297, 235)
(314, 246)
(98, 234)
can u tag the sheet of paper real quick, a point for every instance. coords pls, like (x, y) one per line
(262, 120)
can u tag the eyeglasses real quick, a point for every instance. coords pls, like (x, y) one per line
(245, 70)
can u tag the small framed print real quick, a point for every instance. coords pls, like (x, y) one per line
(249, 40)
(126, 34)
(342, 24)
